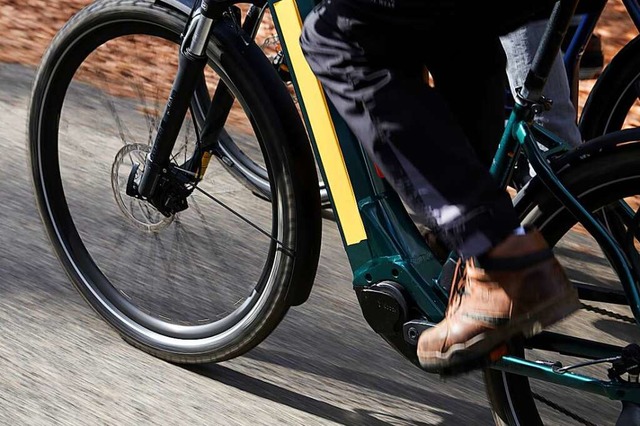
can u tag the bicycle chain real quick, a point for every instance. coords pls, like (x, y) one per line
(559, 408)
(608, 313)
(562, 410)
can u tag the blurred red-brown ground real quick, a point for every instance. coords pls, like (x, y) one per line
(29, 26)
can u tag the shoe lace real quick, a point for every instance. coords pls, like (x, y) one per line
(457, 288)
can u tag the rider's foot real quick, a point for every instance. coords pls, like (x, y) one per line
(519, 289)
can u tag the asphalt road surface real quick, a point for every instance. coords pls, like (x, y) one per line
(61, 364)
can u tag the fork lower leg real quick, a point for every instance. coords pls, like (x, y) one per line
(190, 68)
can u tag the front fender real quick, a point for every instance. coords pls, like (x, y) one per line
(183, 6)
(231, 38)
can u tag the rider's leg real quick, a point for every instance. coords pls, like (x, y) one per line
(407, 127)
(414, 137)
(520, 46)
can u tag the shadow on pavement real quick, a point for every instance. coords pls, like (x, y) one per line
(624, 331)
(310, 405)
(357, 378)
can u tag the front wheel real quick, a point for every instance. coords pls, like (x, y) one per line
(209, 282)
(600, 182)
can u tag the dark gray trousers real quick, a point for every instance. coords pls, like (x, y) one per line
(434, 146)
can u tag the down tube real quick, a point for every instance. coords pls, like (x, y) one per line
(381, 241)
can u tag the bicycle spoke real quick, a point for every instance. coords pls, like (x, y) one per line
(139, 89)
(287, 250)
(123, 132)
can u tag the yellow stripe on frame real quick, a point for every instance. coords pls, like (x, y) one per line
(344, 200)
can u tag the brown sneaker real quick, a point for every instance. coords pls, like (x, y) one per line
(522, 290)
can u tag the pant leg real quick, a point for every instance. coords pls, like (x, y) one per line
(471, 77)
(520, 47)
(405, 125)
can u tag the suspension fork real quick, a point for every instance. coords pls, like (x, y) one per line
(192, 60)
(222, 99)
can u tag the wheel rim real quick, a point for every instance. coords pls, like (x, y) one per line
(80, 252)
(625, 109)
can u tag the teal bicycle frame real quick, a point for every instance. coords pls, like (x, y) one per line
(382, 242)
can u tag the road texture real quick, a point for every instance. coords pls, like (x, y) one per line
(62, 365)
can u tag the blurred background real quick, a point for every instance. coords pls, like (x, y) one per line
(26, 37)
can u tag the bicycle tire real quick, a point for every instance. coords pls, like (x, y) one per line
(290, 269)
(254, 172)
(614, 93)
(601, 180)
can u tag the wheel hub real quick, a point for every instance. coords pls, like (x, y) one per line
(126, 172)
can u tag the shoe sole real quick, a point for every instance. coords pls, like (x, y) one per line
(476, 352)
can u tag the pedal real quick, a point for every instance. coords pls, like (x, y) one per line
(467, 367)
(475, 364)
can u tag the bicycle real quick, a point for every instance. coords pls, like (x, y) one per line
(401, 287)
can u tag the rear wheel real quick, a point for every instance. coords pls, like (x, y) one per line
(613, 103)
(207, 283)
(600, 181)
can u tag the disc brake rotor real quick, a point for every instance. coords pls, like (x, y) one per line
(138, 212)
